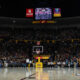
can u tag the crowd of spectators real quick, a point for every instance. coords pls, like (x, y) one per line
(62, 44)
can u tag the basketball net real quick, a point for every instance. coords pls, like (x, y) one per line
(38, 51)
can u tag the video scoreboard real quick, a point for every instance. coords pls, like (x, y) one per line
(43, 14)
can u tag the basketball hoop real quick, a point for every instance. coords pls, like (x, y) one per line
(38, 51)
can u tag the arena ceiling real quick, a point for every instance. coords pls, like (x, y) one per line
(12, 13)
(16, 8)
(27, 23)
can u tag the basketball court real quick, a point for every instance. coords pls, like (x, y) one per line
(39, 74)
(39, 40)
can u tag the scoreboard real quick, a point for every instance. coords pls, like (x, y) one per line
(43, 15)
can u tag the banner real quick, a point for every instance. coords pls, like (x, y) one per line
(29, 12)
(57, 12)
